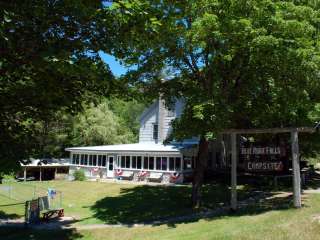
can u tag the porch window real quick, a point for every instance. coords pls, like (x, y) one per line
(73, 160)
(99, 160)
(127, 161)
(174, 163)
(151, 163)
(164, 163)
(134, 162)
(145, 163)
(80, 159)
(94, 160)
(158, 163)
(139, 162)
(123, 161)
(110, 163)
(178, 164)
(118, 161)
(90, 160)
(171, 164)
(104, 162)
(85, 158)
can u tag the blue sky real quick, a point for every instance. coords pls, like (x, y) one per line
(115, 66)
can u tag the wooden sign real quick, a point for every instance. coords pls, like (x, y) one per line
(257, 158)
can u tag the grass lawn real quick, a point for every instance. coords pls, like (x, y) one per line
(93, 202)
(97, 202)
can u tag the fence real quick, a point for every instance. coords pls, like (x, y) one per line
(22, 192)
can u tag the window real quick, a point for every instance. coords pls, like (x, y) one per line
(85, 159)
(118, 161)
(171, 164)
(81, 159)
(164, 164)
(110, 163)
(127, 161)
(90, 160)
(139, 162)
(123, 161)
(73, 159)
(151, 163)
(174, 163)
(94, 160)
(145, 163)
(187, 162)
(158, 163)
(178, 164)
(104, 162)
(99, 160)
(155, 131)
(134, 162)
(170, 112)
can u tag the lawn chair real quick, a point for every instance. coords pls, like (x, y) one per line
(154, 176)
(127, 175)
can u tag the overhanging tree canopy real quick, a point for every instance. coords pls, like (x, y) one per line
(237, 64)
(49, 62)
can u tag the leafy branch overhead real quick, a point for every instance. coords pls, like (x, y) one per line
(236, 63)
(49, 62)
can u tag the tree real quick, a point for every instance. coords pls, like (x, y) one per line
(111, 121)
(237, 63)
(100, 126)
(49, 62)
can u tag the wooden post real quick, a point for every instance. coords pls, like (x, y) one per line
(296, 169)
(25, 174)
(223, 153)
(40, 175)
(233, 171)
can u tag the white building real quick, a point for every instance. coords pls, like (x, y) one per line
(149, 159)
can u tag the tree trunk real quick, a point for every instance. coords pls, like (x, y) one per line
(201, 164)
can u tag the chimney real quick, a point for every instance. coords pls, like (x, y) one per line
(161, 116)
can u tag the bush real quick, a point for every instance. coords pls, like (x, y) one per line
(7, 177)
(79, 175)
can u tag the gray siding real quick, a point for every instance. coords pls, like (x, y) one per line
(151, 116)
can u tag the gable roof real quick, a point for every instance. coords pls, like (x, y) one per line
(148, 110)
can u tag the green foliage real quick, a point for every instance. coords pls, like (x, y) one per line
(49, 63)
(128, 113)
(7, 177)
(100, 126)
(79, 175)
(237, 64)
(109, 122)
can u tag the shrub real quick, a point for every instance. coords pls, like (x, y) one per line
(79, 175)
(7, 177)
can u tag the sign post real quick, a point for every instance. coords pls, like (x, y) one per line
(234, 171)
(296, 169)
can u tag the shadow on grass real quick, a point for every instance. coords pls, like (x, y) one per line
(144, 204)
(314, 181)
(10, 233)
